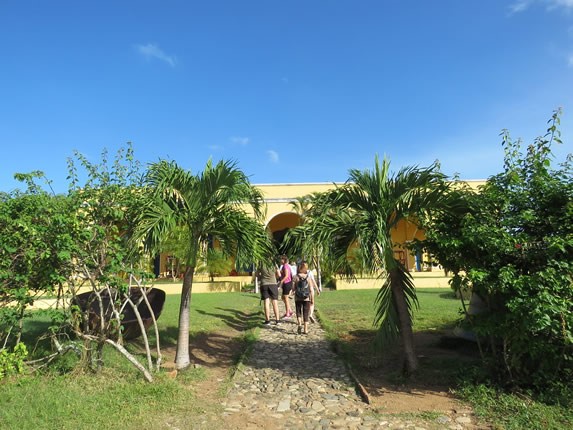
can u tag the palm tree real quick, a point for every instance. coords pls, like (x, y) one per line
(208, 206)
(362, 213)
(296, 236)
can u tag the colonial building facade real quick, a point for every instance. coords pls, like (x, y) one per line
(281, 216)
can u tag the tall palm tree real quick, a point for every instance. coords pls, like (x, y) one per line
(362, 213)
(209, 206)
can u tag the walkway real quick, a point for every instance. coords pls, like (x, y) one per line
(292, 381)
(295, 381)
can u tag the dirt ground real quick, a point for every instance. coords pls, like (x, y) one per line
(388, 394)
(427, 391)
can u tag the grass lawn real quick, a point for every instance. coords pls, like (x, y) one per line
(119, 397)
(347, 317)
(346, 311)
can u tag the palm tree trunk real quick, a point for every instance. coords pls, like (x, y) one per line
(405, 321)
(182, 359)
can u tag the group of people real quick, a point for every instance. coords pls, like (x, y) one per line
(295, 281)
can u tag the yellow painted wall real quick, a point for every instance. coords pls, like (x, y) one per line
(280, 214)
(421, 280)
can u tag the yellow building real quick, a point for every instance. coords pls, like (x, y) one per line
(281, 216)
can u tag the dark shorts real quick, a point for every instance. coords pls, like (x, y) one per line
(269, 292)
(287, 288)
(302, 310)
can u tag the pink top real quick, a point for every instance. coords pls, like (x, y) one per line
(287, 274)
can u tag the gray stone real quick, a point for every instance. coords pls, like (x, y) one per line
(463, 420)
(284, 405)
(443, 419)
(317, 406)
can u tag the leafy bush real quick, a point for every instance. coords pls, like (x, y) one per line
(512, 244)
(12, 363)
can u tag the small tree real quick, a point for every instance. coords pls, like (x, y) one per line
(512, 245)
(105, 209)
(362, 213)
(208, 206)
(215, 263)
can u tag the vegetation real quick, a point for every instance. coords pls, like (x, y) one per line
(522, 410)
(512, 245)
(361, 214)
(348, 316)
(206, 207)
(61, 245)
(66, 400)
(35, 247)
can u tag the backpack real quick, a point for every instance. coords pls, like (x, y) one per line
(302, 290)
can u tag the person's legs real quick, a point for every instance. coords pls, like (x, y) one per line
(276, 310)
(265, 299)
(299, 315)
(267, 310)
(274, 295)
(311, 313)
(305, 314)
(286, 292)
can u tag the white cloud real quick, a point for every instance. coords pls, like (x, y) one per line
(243, 141)
(273, 156)
(522, 5)
(152, 51)
(567, 4)
(570, 60)
(519, 6)
(214, 147)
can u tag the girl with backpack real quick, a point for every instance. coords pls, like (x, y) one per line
(304, 287)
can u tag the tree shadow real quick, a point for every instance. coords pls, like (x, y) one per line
(235, 320)
(442, 358)
(448, 295)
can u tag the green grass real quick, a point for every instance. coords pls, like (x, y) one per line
(106, 400)
(517, 411)
(210, 312)
(348, 316)
(351, 313)
(119, 397)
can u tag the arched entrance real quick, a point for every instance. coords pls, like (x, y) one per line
(280, 223)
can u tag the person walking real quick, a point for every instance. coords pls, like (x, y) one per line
(317, 291)
(267, 277)
(304, 287)
(285, 281)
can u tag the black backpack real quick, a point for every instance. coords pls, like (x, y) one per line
(302, 290)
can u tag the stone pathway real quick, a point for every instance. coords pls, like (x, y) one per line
(292, 381)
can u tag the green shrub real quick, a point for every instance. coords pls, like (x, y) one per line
(12, 363)
(512, 244)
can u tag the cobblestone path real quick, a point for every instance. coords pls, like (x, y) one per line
(295, 381)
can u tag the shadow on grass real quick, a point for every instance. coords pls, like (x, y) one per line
(449, 295)
(442, 360)
(206, 347)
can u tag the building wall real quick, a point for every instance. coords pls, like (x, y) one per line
(280, 216)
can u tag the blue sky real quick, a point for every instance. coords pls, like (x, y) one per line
(294, 91)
